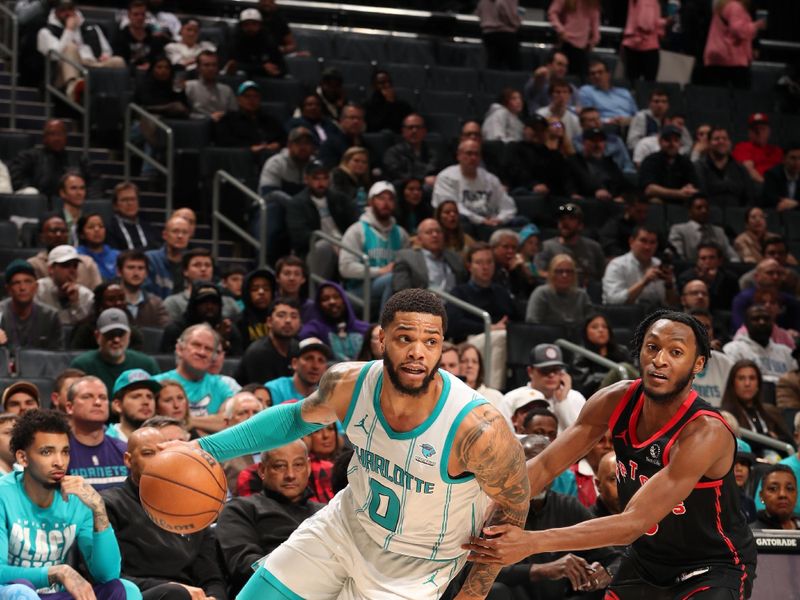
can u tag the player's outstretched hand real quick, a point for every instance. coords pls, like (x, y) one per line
(504, 545)
(174, 444)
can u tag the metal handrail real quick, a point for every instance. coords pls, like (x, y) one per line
(592, 356)
(364, 302)
(765, 440)
(12, 52)
(165, 169)
(51, 90)
(217, 217)
(487, 329)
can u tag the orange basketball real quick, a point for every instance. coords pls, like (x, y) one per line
(182, 490)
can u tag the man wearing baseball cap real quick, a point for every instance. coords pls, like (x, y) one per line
(595, 175)
(24, 322)
(309, 362)
(60, 290)
(586, 252)
(134, 399)
(667, 175)
(756, 154)
(20, 397)
(254, 52)
(548, 376)
(251, 126)
(113, 357)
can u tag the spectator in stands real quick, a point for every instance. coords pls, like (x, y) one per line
(792, 462)
(196, 265)
(651, 144)
(159, 94)
(548, 375)
(413, 157)
(309, 115)
(729, 46)
(430, 265)
(144, 308)
(269, 357)
(756, 154)
(164, 270)
(615, 232)
(502, 120)
(171, 405)
(253, 526)
(127, 230)
(454, 237)
(258, 292)
(768, 274)
(787, 394)
(194, 352)
(585, 469)
(597, 335)
(378, 235)
(771, 299)
(529, 246)
(230, 283)
(481, 198)
(413, 205)
(291, 276)
(666, 176)
(371, 347)
(184, 54)
(593, 174)
(133, 400)
(276, 25)
(605, 481)
(640, 39)
(694, 294)
(781, 190)
(710, 383)
(532, 166)
(556, 138)
(577, 25)
(586, 252)
(537, 88)
(500, 22)
(756, 344)
(348, 134)
(72, 196)
(68, 34)
(648, 121)
(638, 277)
(779, 495)
(560, 301)
(317, 207)
(40, 170)
(60, 289)
(726, 181)
(748, 244)
(561, 106)
(250, 126)
(25, 322)
(510, 269)
(471, 369)
(113, 354)
(383, 109)
(61, 383)
(351, 177)
(721, 284)
(333, 320)
(331, 92)
(209, 98)
(238, 408)
(91, 233)
(309, 362)
(57, 510)
(7, 460)
(615, 147)
(685, 237)
(95, 456)
(615, 104)
(285, 171)
(137, 42)
(20, 397)
(106, 295)
(700, 143)
(774, 246)
(254, 52)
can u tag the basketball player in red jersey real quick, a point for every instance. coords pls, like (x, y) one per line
(675, 458)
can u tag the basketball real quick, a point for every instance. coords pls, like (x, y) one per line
(182, 490)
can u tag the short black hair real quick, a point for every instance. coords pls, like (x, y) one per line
(779, 468)
(187, 257)
(708, 244)
(538, 412)
(36, 421)
(134, 254)
(702, 343)
(773, 239)
(286, 301)
(413, 300)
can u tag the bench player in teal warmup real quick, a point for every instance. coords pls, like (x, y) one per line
(430, 454)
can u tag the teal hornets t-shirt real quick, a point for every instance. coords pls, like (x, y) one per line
(33, 539)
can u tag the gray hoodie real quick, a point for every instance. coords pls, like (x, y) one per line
(350, 267)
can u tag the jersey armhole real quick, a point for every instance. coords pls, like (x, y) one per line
(612, 421)
(701, 413)
(356, 392)
(448, 444)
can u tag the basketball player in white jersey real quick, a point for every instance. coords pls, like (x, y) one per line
(430, 454)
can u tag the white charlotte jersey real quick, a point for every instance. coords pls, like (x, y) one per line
(402, 494)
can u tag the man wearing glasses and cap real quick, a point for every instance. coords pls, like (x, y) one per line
(253, 51)
(60, 290)
(586, 252)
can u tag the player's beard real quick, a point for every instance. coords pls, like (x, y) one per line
(394, 377)
(669, 396)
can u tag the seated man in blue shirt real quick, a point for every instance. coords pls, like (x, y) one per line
(616, 105)
(309, 363)
(44, 511)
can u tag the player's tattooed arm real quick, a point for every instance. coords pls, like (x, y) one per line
(486, 447)
(332, 397)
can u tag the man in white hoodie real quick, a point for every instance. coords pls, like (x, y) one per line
(756, 344)
(68, 33)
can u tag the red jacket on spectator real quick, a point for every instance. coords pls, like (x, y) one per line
(764, 157)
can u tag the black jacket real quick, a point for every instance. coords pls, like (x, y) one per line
(495, 299)
(657, 169)
(262, 363)
(251, 52)
(251, 526)
(238, 130)
(152, 556)
(530, 164)
(43, 169)
(776, 186)
(381, 114)
(586, 182)
(302, 217)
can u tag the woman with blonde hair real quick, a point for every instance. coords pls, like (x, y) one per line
(729, 47)
(560, 301)
(351, 178)
(577, 24)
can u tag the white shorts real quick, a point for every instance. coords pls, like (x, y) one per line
(330, 556)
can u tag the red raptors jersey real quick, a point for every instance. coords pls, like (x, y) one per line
(705, 529)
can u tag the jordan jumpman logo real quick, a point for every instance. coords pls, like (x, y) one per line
(432, 578)
(361, 424)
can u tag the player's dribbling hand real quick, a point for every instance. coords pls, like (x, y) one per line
(510, 545)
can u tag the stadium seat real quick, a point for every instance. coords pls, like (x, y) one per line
(281, 90)
(734, 218)
(458, 54)
(622, 315)
(707, 98)
(535, 207)
(410, 51)
(12, 143)
(31, 206)
(495, 81)
(456, 103)
(361, 48)
(9, 235)
(102, 207)
(520, 339)
(481, 101)
(279, 110)
(411, 76)
(791, 224)
(377, 143)
(453, 79)
(448, 125)
(494, 156)
(214, 34)
(354, 72)
(43, 363)
(166, 362)
(305, 69)
(9, 254)
(319, 43)
(151, 337)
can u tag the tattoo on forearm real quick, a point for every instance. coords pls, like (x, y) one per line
(326, 386)
(496, 459)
